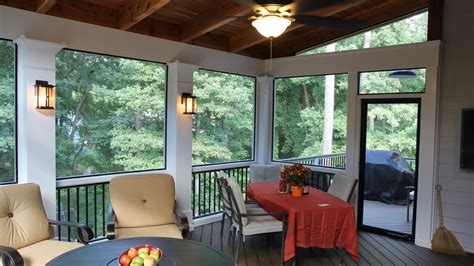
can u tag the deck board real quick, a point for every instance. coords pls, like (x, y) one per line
(374, 250)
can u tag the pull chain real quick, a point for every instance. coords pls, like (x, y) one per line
(271, 55)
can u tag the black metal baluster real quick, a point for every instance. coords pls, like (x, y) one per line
(199, 193)
(58, 213)
(68, 198)
(103, 210)
(209, 192)
(87, 204)
(95, 209)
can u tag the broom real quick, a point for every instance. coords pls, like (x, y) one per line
(443, 240)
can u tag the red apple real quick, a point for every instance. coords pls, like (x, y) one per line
(132, 253)
(124, 260)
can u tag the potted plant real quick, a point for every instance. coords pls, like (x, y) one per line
(296, 177)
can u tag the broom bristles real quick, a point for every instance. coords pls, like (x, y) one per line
(445, 242)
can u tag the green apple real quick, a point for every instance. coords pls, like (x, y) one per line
(143, 255)
(143, 250)
(155, 253)
(138, 260)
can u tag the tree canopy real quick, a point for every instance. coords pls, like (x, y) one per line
(7, 111)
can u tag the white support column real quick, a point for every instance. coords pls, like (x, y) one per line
(179, 134)
(264, 120)
(36, 129)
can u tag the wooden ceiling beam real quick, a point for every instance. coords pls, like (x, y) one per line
(251, 37)
(225, 12)
(137, 10)
(43, 6)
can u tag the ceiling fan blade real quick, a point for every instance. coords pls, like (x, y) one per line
(248, 3)
(303, 7)
(329, 22)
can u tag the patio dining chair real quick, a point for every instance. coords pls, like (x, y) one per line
(143, 206)
(25, 231)
(247, 224)
(342, 187)
(264, 173)
(251, 207)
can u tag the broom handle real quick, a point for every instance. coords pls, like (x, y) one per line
(440, 206)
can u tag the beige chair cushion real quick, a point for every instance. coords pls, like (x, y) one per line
(23, 220)
(143, 200)
(262, 225)
(239, 197)
(42, 252)
(167, 230)
(341, 186)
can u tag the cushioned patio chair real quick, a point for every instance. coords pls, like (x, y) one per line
(25, 231)
(143, 206)
(248, 224)
(251, 207)
(342, 187)
(264, 173)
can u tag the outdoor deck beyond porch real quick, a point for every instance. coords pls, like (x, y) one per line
(373, 249)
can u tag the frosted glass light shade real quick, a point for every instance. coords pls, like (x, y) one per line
(271, 26)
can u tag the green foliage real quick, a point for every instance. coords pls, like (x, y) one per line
(299, 116)
(7, 111)
(413, 29)
(110, 114)
(224, 123)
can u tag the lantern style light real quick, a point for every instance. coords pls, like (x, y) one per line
(44, 93)
(190, 103)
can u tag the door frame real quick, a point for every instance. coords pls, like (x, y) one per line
(362, 157)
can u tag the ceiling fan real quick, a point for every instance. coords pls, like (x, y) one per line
(272, 17)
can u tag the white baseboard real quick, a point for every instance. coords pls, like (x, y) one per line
(423, 243)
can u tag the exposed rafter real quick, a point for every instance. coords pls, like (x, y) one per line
(223, 13)
(251, 37)
(137, 10)
(43, 6)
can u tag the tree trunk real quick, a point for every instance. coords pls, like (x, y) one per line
(329, 88)
(226, 137)
(306, 96)
(138, 120)
(77, 116)
(367, 38)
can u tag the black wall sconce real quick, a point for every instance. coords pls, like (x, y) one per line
(190, 103)
(44, 93)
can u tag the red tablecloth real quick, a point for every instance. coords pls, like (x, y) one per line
(309, 224)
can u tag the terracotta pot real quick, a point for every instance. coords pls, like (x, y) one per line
(296, 191)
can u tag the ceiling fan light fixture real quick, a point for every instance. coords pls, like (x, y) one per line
(271, 26)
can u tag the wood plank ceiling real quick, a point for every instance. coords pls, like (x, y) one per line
(209, 23)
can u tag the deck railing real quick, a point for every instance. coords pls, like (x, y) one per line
(336, 160)
(85, 204)
(88, 203)
(205, 193)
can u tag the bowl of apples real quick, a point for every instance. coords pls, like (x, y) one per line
(146, 255)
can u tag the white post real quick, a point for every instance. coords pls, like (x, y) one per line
(264, 128)
(36, 129)
(179, 134)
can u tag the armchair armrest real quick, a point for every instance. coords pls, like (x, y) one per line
(111, 224)
(81, 229)
(9, 256)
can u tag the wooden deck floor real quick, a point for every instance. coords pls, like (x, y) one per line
(386, 216)
(374, 250)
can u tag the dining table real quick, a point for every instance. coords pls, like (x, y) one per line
(317, 219)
